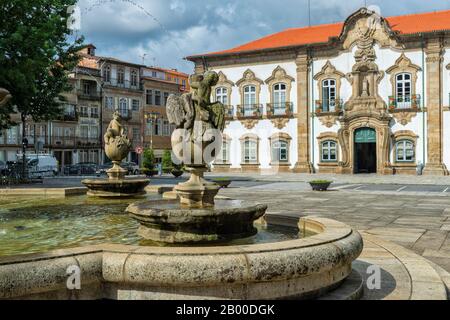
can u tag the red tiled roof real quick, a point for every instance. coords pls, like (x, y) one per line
(407, 24)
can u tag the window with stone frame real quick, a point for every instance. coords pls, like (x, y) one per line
(120, 76)
(149, 96)
(109, 102)
(222, 95)
(329, 151)
(249, 100)
(94, 112)
(404, 151)
(166, 97)
(123, 107)
(107, 73)
(279, 98)
(280, 151)
(403, 90)
(157, 98)
(329, 95)
(135, 104)
(250, 152)
(225, 152)
(134, 78)
(403, 76)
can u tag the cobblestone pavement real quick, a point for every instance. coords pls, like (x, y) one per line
(418, 222)
(340, 178)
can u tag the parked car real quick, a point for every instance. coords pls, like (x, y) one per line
(40, 165)
(132, 168)
(101, 169)
(82, 168)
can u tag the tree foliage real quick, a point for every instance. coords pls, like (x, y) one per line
(148, 161)
(36, 57)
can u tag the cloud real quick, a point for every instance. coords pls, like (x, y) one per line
(167, 31)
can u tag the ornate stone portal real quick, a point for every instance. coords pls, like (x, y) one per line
(117, 146)
(365, 108)
(198, 138)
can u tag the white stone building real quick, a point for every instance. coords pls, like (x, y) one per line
(367, 95)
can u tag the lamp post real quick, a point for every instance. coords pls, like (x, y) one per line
(151, 118)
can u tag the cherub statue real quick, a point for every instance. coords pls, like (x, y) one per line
(195, 113)
(201, 85)
(197, 106)
(5, 96)
(115, 128)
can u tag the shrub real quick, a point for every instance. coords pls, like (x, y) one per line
(320, 182)
(148, 162)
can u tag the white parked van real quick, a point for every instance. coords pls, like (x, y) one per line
(41, 165)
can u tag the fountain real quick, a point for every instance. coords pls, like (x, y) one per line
(194, 248)
(196, 217)
(117, 146)
(301, 268)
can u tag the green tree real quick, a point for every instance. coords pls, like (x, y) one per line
(148, 162)
(167, 163)
(36, 57)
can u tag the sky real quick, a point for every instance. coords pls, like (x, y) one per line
(163, 32)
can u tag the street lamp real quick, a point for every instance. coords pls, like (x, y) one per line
(151, 118)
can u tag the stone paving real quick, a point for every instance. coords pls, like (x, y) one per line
(340, 178)
(417, 222)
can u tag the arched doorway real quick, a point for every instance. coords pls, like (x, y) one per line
(365, 149)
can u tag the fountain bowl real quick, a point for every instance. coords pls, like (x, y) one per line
(171, 222)
(116, 188)
(304, 268)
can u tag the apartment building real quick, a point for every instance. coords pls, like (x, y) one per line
(101, 86)
(157, 88)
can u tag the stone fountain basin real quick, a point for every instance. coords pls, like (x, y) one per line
(171, 222)
(303, 268)
(110, 188)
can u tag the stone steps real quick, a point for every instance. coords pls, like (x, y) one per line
(404, 274)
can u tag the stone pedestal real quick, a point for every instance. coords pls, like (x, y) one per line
(116, 172)
(197, 192)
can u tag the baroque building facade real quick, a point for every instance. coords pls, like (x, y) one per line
(369, 95)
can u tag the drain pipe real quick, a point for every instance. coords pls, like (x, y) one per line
(423, 104)
(312, 113)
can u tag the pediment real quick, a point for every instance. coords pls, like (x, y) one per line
(366, 25)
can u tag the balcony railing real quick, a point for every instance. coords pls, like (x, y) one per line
(89, 95)
(62, 141)
(329, 105)
(125, 114)
(250, 111)
(68, 116)
(126, 84)
(404, 102)
(88, 142)
(280, 109)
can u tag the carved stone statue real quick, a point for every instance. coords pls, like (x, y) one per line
(200, 123)
(365, 88)
(4, 97)
(117, 146)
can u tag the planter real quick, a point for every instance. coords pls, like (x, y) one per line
(320, 185)
(176, 172)
(222, 183)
